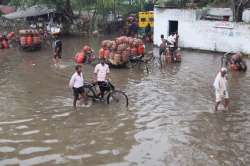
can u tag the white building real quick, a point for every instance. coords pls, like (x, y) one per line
(246, 16)
(222, 36)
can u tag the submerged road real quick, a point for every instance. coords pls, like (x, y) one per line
(170, 120)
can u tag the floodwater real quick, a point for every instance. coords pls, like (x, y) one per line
(170, 120)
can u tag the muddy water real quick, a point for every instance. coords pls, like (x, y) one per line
(170, 120)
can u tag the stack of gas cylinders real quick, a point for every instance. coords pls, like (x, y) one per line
(30, 38)
(86, 55)
(118, 51)
(237, 63)
(4, 40)
(173, 56)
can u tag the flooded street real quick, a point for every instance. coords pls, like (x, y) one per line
(170, 120)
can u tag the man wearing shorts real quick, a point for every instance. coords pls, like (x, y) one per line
(77, 84)
(163, 46)
(221, 89)
(101, 73)
(57, 50)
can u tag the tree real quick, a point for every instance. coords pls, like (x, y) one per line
(4, 2)
(174, 3)
(61, 5)
(238, 7)
(98, 10)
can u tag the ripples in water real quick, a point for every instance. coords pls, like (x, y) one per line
(170, 120)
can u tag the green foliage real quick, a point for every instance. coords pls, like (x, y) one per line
(220, 3)
(101, 5)
(177, 3)
(148, 6)
(200, 3)
(28, 3)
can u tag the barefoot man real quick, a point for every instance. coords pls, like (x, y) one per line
(77, 84)
(101, 76)
(221, 89)
(57, 50)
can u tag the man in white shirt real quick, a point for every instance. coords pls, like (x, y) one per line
(172, 39)
(221, 89)
(77, 84)
(172, 43)
(101, 74)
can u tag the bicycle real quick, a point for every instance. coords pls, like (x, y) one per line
(139, 60)
(112, 95)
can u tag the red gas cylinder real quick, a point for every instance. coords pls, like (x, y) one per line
(37, 39)
(23, 41)
(234, 67)
(168, 58)
(128, 51)
(124, 56)
(101, 53)
(134, 51)
(112, 55)
(141, 49)
(11, 35)
(86, 49)
(178, 57)
(106, 54)
(5, 44)
(29, 40)
(80, 57)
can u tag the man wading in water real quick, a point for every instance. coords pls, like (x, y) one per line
(77, 83)
(101, 76)
(163, 46)
(57, 50)
(221, 89)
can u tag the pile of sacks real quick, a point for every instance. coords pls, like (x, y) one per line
(119, 50)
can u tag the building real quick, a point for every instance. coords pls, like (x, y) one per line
(246, 15)
(197, 32)
(34, 11)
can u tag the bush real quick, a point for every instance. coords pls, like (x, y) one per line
(174, 3)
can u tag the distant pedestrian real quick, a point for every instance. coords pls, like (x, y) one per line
(57, 50)
(163, 46)
(133, 28)
(148, 33)
(221, 89)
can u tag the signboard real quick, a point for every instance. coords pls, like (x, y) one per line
(146, 18)
(225, 25)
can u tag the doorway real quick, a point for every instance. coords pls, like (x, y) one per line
(173, 27)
